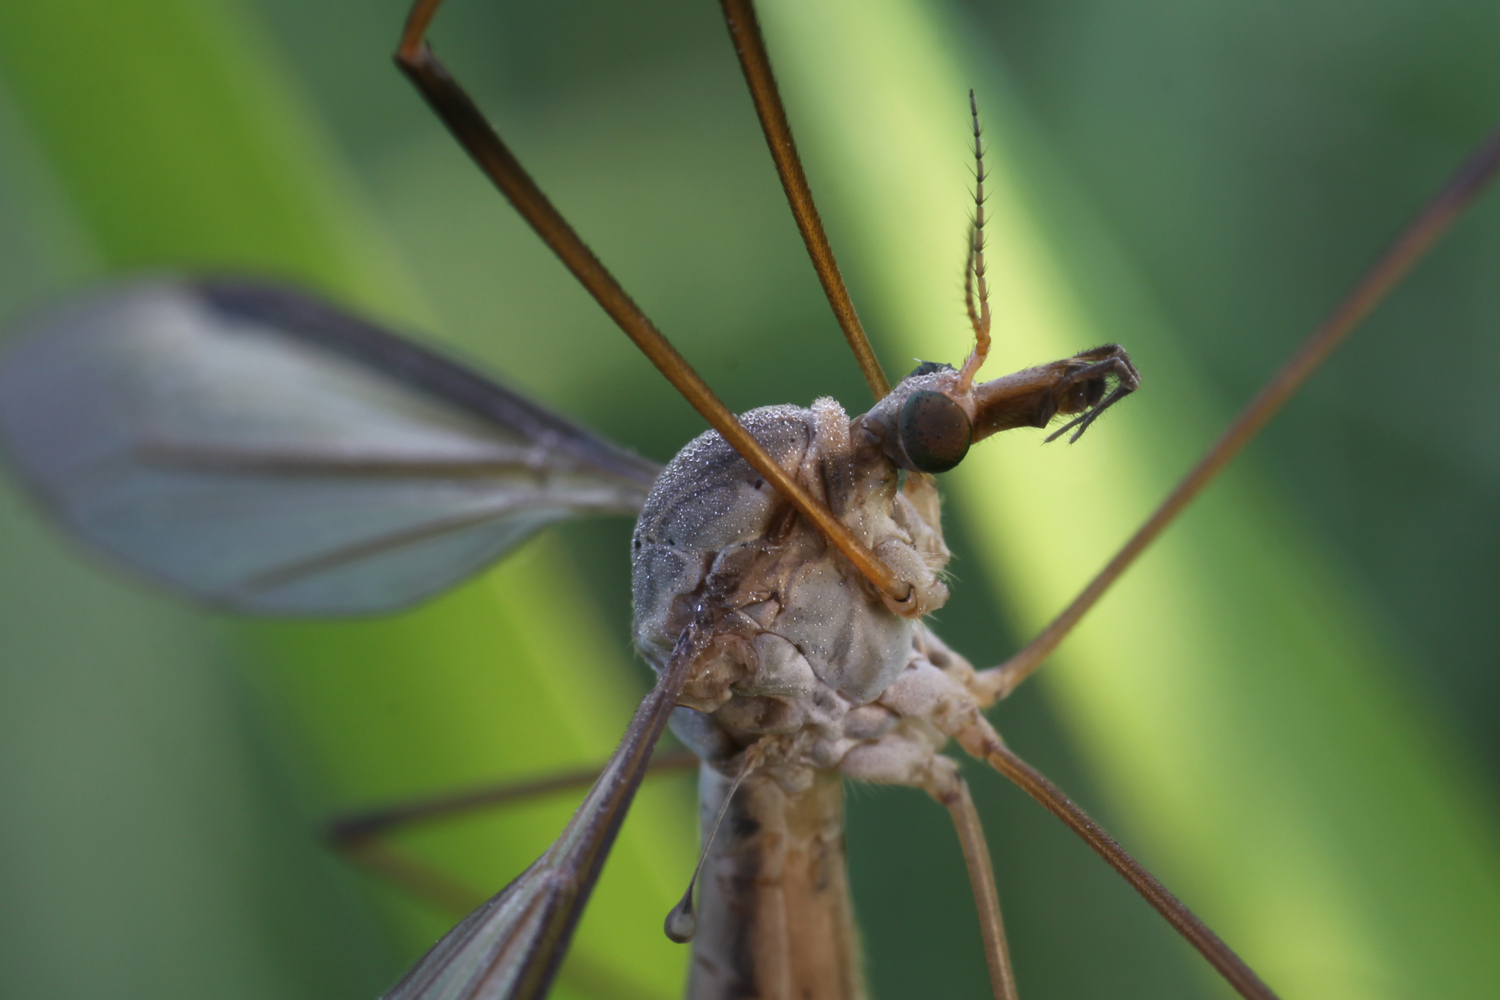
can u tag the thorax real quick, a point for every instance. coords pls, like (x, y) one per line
(803, 647)
(808, 662)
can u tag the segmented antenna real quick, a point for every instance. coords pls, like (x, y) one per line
(974, 281)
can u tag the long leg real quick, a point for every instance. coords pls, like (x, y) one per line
(357, 835)
(510, 947)
(943, 782)
(980, 740)
(411, 875)
(352, 827)
(1409, 247)
(744, 29)
(982, 881)
(483, 143)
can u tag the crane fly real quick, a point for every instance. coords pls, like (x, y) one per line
(361, 420)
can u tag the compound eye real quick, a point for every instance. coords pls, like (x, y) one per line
(935, 431)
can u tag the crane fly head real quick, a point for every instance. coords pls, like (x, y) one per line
(931, 418)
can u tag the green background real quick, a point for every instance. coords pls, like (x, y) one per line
(1288, 709)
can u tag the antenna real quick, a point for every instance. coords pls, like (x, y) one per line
(974, 280)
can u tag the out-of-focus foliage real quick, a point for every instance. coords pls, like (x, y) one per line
(1289, 709)
(174, 139)
(1239, 708)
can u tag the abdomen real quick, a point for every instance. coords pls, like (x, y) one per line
(775, 919)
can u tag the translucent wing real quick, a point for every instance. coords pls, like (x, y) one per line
(264, 451)
(510, 947)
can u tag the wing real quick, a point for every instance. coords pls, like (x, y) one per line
(263, 451)
(510, 948)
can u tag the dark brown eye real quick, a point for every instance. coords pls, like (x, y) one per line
(935, 432)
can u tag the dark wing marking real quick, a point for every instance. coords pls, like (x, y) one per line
(264, 451)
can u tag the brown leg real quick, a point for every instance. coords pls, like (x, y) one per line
(981, 741)
(982, 881)
(1435, 218)
(468, 125)
(354, 827)
(512, 945)
(357, 835)
(750, 46)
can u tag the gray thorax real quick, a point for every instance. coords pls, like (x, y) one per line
(804, 650)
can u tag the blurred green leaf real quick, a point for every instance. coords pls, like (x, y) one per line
(179, 142)
(1260, 745)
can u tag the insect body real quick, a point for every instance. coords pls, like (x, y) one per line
(185, 456)
(809, 669)
(807, 666)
